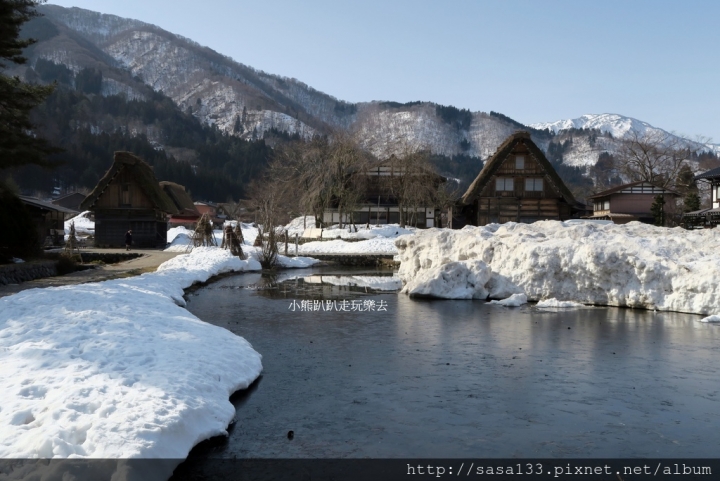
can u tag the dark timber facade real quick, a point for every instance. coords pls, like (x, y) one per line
(129, 197)
(517, 184)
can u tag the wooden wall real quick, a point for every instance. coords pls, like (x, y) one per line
(519, 205)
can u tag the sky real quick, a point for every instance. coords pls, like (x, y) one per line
(534, 61)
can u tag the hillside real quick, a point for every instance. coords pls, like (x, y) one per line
(205, 95)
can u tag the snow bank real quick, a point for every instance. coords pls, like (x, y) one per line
(714, 318)
(516, 300)
(366, 231)
(378, 245)
(634, 265)
(117, 369)
(555, 304)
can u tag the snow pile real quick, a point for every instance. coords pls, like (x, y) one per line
(298, 226)
(378, 245)
(634, 265)
(453, 280)
(714, 318)
(367, 231)
(516, 300)
(118, 369)
(555, 304)
(83, 225)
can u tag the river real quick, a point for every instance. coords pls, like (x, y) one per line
(408, 378)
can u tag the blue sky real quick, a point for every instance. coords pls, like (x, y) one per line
(535, 61)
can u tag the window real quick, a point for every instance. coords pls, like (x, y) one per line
(606, 205)
(534, 185)
(125, 194)
(504, 184)
(520, 162)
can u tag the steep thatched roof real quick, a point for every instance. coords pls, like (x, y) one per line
(143, 175)
(180, 197)
(494, 163)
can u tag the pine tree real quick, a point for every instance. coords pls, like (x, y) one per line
(18, 145)
(658, 210)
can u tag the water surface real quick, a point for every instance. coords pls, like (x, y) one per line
(461, 378)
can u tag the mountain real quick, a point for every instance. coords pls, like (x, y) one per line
(133, 79)
(619, 126)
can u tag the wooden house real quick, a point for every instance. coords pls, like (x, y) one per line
(49, 219)
(70, 201)
(380, 205)
(129, 197)
(709, 217)
(517, 184)
(631, 202)
(187, 215)
(217, 214)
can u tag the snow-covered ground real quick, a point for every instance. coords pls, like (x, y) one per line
(119, 369)
(634, 265)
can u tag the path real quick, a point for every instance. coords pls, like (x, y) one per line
(148, 262)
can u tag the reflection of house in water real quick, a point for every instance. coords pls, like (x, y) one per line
(631, 202)
(129, 197)
(381, 204)
(49, 219)
(518, 184)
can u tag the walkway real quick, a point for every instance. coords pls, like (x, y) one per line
(148, 262)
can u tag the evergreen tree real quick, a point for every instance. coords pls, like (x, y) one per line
(18, 145)
(658, 210)
(691, 202)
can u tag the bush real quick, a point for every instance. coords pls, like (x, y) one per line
(66, 264)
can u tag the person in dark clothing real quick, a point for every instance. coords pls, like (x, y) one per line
(128, 239)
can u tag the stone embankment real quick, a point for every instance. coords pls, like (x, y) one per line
(26, 271)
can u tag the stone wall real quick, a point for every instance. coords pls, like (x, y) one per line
(26, 271)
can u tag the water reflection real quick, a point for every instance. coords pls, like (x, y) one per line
(463, 378)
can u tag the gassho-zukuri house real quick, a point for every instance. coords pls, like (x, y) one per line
(518, 184)
(129, 197)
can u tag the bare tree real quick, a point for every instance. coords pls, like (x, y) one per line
(414, 184)
(655, 157)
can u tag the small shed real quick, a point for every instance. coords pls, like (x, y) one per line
(49, 219)
(129, 197)
(518, 184)
(631, 202)
(187, 215)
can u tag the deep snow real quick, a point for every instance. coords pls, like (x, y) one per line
(633, 265)
(119, 369)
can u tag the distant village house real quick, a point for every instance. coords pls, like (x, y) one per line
(130, 197)
(518, 184)
(631, 202)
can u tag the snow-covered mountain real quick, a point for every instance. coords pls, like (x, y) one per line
(619, 126)
(134, 56)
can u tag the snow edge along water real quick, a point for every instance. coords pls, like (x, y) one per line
(119, 369)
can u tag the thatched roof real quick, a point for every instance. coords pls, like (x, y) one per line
(180, 198)
(494, 163)
(143, 175)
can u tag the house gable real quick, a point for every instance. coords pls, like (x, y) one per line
(517, 184)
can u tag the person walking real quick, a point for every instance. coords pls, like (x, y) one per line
(128, 239)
